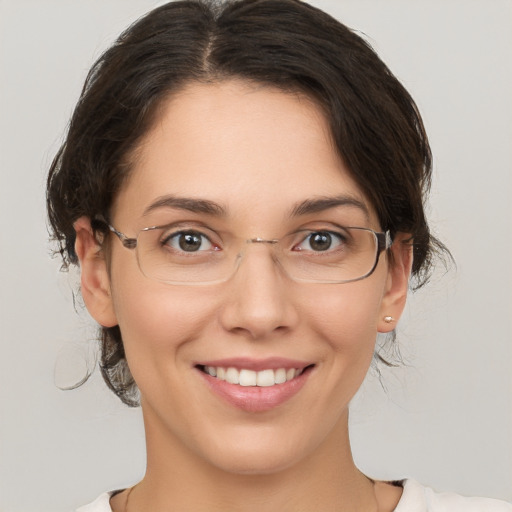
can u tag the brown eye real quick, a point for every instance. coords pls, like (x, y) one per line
(188, 241)
(321, 241)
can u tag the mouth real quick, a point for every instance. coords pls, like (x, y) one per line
(245, 377)
(255, 387)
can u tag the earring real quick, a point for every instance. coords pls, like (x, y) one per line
(388, 319)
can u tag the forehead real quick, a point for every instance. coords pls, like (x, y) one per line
(250, 148)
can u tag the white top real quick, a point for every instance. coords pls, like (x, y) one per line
(415, 498)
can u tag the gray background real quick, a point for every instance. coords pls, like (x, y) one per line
(445, 419)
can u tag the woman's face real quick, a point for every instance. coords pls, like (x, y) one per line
(257, 153)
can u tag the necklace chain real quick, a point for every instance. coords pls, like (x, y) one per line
(128, 494)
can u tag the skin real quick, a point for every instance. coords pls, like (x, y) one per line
(256, 151)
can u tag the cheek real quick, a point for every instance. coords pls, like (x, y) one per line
(345, 322)
(156, 320)
(347, 316)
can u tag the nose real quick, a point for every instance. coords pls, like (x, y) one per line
(259, 302)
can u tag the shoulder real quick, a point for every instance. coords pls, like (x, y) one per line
(101, 504)
(417, 498)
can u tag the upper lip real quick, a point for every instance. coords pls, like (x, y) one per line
(270, 363)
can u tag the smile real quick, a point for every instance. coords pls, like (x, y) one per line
(245, 377)
(255, 386)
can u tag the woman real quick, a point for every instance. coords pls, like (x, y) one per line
(242, 186)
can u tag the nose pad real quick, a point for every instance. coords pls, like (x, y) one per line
(272, 242)
(259, 303)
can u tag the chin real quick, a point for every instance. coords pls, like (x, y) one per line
(261, 464)
(257, 455)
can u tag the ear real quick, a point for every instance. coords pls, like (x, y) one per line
(397, 285)
(95, 280)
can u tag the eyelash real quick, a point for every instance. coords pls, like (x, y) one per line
(164, 241)
(328, 235)
(331, 235)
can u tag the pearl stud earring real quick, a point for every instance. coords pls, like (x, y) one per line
(388, 319)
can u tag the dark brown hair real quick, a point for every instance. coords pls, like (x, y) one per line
(283, 43)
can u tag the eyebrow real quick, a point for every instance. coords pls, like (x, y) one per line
(187, 203)
(208, 207)
(321, 204)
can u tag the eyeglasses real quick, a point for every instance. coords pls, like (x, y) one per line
(181, 254)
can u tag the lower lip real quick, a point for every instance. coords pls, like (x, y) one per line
(256, 398)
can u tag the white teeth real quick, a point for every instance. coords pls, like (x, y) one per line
(247, 378)
(280, 376)
(244, 377)
(266, 378)
(232, 376)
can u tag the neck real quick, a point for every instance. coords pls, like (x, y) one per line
(177, 479)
